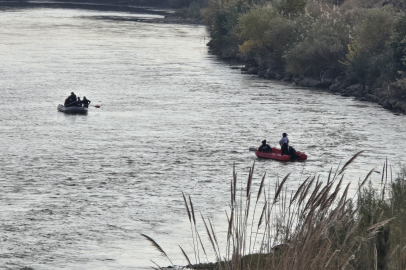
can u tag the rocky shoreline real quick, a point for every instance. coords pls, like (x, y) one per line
(390, 95)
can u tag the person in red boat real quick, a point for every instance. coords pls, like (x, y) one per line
(265, 147)
(284, 143)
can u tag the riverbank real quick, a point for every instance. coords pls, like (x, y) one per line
(390, 95)
(349, 48)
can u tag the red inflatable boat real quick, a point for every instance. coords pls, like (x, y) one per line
(276, 154)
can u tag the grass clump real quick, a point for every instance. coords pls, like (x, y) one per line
(318, 226)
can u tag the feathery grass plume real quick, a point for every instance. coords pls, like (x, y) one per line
(214, 237)
(305, 192)
(350, 161)
(299, 190)
(311, 201)
(187, 207)
(250, 176)
(383, 174)
(380, 224)
(366, 178)
(155, 244)
(234, 190)
(193, 210)
(260, 187)
(186, 257)
(280, 188)
(255, 208)
(386, 170)
(262, 215)
(230, 224)
(201, 243)
(210, 237)
(329, 175)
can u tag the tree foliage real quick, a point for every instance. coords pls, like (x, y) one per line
(291, 7)
(399, 43)
(359, 37)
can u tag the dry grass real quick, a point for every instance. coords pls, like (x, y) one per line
(316, 227)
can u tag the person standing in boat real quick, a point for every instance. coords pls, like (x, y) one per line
(284, 143)
(85, 102)
(265, 147)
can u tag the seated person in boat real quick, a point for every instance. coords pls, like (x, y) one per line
(284, 143)
(265, 147)
(79, 102)
(69, 101)
(85, 102)
(292, 153)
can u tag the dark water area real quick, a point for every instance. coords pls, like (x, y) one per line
(77, 190)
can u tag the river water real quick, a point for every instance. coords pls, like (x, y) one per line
(77, 190)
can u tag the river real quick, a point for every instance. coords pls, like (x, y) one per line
(77, 190)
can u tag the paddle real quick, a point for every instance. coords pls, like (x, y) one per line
(97, 106)
(253, 148)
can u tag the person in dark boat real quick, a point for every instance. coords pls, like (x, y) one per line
(71, 100)
(85, 102)
(78, 102)
(265, 147)
(284, 143)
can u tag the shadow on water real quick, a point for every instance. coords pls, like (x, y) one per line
(5, 5)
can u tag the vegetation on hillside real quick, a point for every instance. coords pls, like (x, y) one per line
(318, 226)
(362, 39)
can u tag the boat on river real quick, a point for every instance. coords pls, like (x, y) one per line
(276, 154)
(71, 109)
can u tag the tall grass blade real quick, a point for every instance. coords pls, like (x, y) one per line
(155, 244)
(186, 257)
(350, 161)
(160, 268)
(278, 191)
(187, 207)
(260, 187)
(193, 211)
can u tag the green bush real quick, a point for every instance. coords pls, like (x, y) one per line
(375, 30)
(321, 43)
(266, 35)
(309, 37)
(221, 21)
(399, 43)
(369, 53)
(291, 7)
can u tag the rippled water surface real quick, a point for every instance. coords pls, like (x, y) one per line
(77, 190)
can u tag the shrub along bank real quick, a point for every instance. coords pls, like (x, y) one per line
(352, 47)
